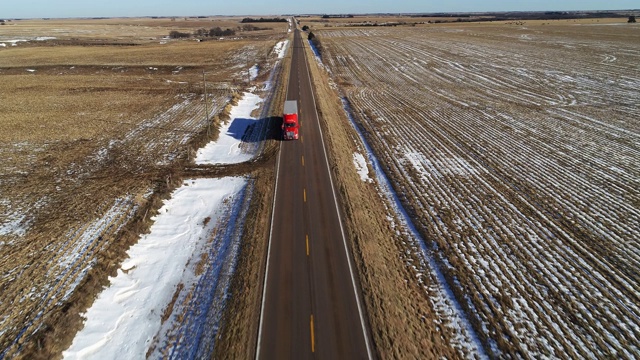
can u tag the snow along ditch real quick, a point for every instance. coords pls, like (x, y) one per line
(445, 304)
(127, 317)
(168, 297)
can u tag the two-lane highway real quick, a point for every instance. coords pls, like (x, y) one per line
(311, 306)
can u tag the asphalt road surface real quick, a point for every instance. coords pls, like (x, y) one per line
(311, 307)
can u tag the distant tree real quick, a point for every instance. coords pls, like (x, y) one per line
(201, 32)
(178, 35)
(249, 27)
(632, 19)
(305, 28)
(217, 31)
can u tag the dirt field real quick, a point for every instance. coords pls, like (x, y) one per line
(514, 149)
(91, 139)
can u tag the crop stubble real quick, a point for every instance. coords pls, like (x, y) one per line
(514, 149)
(92, 139)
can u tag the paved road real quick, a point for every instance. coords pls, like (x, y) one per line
(311, 308)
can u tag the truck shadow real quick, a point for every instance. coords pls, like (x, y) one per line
(240, 126)
(256, 130)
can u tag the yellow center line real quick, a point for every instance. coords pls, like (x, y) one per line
(307, 245)
(304, 193)
(302, 160)
(313, 340)
(302, 139)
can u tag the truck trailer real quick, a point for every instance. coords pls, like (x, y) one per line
(290, 123)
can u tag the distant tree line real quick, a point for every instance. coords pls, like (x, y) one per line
(261, 20)
(337, 16)
(533, 15)
(178, 35)
(382, 24)
(249, 27)
(213, 32)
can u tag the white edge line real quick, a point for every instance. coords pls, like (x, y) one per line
(335, 201)
(266, 271)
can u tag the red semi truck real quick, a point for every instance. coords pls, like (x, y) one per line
(290, 123)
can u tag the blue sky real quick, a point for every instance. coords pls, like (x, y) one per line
(113, 8)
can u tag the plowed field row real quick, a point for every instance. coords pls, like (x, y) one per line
(517, 160)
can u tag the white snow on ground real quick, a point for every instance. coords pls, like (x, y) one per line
(227, 150)
(444, 303)
(126, 316)
(361, 167)
(13, 225)
(14, 42)
(253, 72)
(125, 321)
(281, 48)
(16, 221)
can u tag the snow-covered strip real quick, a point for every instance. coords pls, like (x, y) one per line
(190, 331)
(281, 48)
(14, 42)
(127, 315)
(445, 302)
(315, 52)
(361, 167)
(227, 149)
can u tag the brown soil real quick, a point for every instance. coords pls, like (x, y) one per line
(81, 136)
(493, 136)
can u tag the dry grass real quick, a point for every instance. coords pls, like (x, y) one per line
(50, 108)
(239, 329)
(134, 30)
(183, 53)
(90, 143)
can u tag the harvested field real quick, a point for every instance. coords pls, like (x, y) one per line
(515, 151)
(91, 139)
(123, 30)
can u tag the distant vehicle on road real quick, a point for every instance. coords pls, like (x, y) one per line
(290, 123)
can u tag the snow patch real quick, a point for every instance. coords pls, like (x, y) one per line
(361, 167)
(227, 149)
(281, 48)
(127, 315)
(253, 72)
